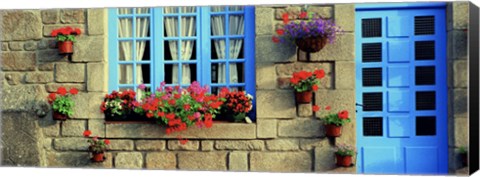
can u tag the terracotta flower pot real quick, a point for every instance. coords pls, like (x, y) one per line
(65, 47)
(311, 44)
(59, 116)
(303, 97)
(98, 157)
(333, 130)
(344, 161)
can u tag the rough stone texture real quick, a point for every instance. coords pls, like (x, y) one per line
(457, 15)
(238, 161)
(330, 98)
(268, 51)
(97, 126)
(30, 45)
(345, 75)
(50, 127)
(266, 128)
(457, 44)
(15, 46)
(88, 49)
(18, 25)
(131, 160)
(309, 144)
(282, 144)
(52, 87)
(95, 21)
(46, 66)
(47, 144)
(95, 77)
(150, 145)
(304, 110)
(461, 132)
(206, 145)
(39, 77)
(74, 128)
(323, 11)
(49, 16)
(263, 21)
(121, 145)
(72, 16)
(87, 105)
(76, 159)
(301, 128)
(48, 56)
(265, 76)
(161, 160)
(239, 145)
(281, 104)
(18, 61)
(460, 73)
(66, 144)
(342, 49)
(345, 16)
(4, 46)
(460, 106)
(281, 161)
(287, 70)
(14, 78)
(324, 159)
(202, 161)
(47, 29)
(19, 135)
(46, 43)
(176, 145)
(217, 131)
(283, 83)
(22, 97)
(292, 11)
(68, 72)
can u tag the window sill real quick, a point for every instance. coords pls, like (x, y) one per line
(150, 130)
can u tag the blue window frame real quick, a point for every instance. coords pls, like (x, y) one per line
(215, 45)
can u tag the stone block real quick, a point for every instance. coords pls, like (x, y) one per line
(69, 144)
(95, 77)
(30, 45)
(67, 159)
(239, 145)
(460, 73)
(46, 67)
(268, 51)
(14, 78)
(323, 11)
(345, 16)
(287, 70)
(265, 76)
(309, 144)
(15, 46)
(282, 144)
(460, 103)
(343, 49)
(72, 16)
(275, 104)
(206, 145)
(292, 11)
(344, 75)
(87, 105)
(22, 97)
(190, 145)
(47, 29)
(47, 43)
(304, 110)
(19, 25)
(39, 77)
(68, 72)
(121, 145)
(88, 49)
(338, 100)
(238, 161)
(266, 128)
(301, 128)
(47, 144)
(49, 56)
(263, 21)
(324, 159)
(50, 16)
(461, 132)
(281, 161)
(457, 44)
(52, 87)
(95, 21)
(74, 128)
(97, 126)
(284, 83)
(4, 46)
(150, 145)
(50, 127)
(130, 160)
(202, 161)
(161, 160)
(458, 15)
(18, 61)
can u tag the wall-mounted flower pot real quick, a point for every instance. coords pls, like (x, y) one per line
(311, 44)
(65, 47)
(98, 157)
(110, 117)
(303, 97)
(59, 116)
(344, 161)
(333, 130)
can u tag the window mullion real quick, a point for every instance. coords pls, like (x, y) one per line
(227, 48)
(206, 53)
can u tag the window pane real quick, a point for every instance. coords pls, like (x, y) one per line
(188, 50)
(142, 50)
(236, 25)
(191, 9)
(125, 50)
(124, 11)
(142, 10)
(218, 25)
(235, 8)
(125, 89)
(125, 29)
(143, 74)
(219, 49)
(171, 24)
(219, 72)
(188, 26)
(218, 8)
(169, 74)
(142, 27)
(170, 10)
(236, 48)
(237, 73)
(125, 74)
(170, 50)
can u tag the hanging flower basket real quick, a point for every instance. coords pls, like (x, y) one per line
(59, 116)
(344, 161)
(311, 44)
(333, 130)
(303, 97)
(65, 47)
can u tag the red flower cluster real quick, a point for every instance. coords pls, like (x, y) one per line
(343, 114)
(236, 101)
(62, 91)
(126, 99)
(304, 80)
(96, 145)
(66, 31)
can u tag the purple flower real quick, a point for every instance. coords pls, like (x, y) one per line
(142, 86)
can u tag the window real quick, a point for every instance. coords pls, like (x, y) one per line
(178, 45)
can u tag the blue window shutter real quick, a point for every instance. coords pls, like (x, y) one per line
(112, 50)
(250, 56)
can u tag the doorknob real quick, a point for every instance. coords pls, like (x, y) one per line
(358, 104)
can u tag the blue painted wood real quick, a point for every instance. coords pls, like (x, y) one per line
(250, 57)
(397, 6)
(400, 150)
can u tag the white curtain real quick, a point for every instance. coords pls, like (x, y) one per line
(125, 30)
(188, 28)
(236, 27)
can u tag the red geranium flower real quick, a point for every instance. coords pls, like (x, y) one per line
(314, 87)
(107, 142)
(62, 91)
(280, 31)
(328, 108)
(87, 133)
(149, 115)
(275, 39)
(343, 114)
(186, 107)
(319, 73)
(303, 14)
(170, 116)
(177, 96)
(172, 102)
(52, 97)
(73, 91)
(315, 108)
(285, 18)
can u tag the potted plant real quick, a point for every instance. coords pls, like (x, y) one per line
(304, 83)
(344, 154)
(62, 103)
(118, 105)
(96, 146)
(65, 38)
(463, 155)
(236, 106)
(334, 123)
(311, 33)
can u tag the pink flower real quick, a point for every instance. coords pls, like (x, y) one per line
(142, 86)
(196, 115)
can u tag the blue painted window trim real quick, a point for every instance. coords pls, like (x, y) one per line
(203, 49)
(385, 6)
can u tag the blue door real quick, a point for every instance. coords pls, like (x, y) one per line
(401, 88)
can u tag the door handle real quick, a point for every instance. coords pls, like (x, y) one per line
(358, 104)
